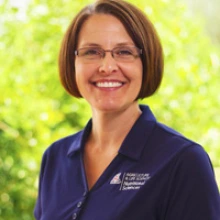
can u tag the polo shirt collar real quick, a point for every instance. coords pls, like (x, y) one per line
(138, 136)
(134, 142)
(80, 140)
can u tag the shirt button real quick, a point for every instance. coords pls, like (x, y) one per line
(74, 215)
(79, 204)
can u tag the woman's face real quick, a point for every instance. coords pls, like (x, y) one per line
(108, 84)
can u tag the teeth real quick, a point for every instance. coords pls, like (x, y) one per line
(108, 84)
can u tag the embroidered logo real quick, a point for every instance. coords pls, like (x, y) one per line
(116, 179)
(134, 181)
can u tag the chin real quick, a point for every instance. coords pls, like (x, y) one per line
(108, 109)
(107, 106)
(111, 107)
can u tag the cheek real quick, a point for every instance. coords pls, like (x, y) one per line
(78, 74)
(140, 71)
(83, 74)
(80, 71)
(83, 70)
(135, 72)
(78, 67)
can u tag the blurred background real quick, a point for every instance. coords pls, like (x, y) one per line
(35, 110)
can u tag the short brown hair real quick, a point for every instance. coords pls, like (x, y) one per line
(141, 31)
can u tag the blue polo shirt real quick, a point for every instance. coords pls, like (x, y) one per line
(157, 175)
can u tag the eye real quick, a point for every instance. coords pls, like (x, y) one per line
(90, 52)
(124, 51)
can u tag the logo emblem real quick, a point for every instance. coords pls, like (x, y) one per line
(130, 181)
(116, 179)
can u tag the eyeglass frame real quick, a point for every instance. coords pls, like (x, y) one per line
(103, 52)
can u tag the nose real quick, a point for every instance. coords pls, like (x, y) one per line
(108, 64)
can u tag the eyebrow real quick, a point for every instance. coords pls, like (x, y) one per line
(117, 45)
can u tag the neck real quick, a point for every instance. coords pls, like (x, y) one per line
(109, 129)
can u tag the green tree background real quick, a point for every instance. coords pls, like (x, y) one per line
(35, 110)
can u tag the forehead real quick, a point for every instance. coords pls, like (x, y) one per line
(103, 28)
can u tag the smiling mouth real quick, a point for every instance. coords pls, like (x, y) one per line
(109, 84)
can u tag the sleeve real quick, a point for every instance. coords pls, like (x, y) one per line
(38, 207)
(192, 192)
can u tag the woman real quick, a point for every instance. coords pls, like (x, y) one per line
(124, 165)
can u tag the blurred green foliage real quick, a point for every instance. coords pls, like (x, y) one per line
(35, 110)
